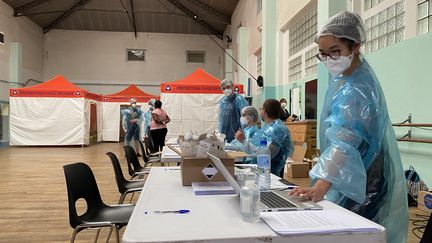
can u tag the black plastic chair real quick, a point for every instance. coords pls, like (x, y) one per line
(149, 146)
(134, 167)
(147, 157)
(124, 186)
(81, 184)
(427, 234)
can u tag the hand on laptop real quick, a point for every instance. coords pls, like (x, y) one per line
(315, 193)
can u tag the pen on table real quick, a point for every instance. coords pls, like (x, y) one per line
(181, 211)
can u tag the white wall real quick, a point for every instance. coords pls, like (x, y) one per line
(30, 36)
(100, 57)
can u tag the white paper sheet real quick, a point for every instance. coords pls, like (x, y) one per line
(317, 222)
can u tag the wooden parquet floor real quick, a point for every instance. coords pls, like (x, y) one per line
(33, 197)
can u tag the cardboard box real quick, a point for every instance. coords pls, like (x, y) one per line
(203, 169)
(424, 200)
(297, 170)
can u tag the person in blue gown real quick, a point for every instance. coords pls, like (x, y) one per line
(360, 167)
(230, 110)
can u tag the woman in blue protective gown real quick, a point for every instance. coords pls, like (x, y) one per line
(229, 110)
(360, 166)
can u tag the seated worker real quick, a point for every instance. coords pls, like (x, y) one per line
(276, 134)
(248, 120)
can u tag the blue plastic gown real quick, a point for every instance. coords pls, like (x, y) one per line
(132, 129)
(229, 115)
(360, 156)
(239, 146)
(147, 121)
(278, 137)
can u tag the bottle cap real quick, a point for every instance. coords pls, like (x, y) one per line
(263, 143)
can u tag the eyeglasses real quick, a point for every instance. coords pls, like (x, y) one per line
(323, 56)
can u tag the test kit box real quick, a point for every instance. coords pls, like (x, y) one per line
(202, 169)
(424, 200)
(297, 170)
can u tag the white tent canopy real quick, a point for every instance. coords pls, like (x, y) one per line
(192, 103)
(55, 112)
(111, 110)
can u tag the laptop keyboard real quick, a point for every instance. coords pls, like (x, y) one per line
(273, 200)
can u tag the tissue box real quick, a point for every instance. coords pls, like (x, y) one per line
(297, 170)
(424, 200)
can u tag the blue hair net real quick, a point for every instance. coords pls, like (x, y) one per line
(360, 156)
(229, 115)
(226, 82)
(250, 112)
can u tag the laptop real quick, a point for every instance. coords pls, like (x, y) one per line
(270, 201)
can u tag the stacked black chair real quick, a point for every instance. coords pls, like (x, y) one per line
(134, 167)
(81, 184)
(148, 158)
(124, 186)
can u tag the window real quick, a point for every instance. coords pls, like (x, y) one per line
(368, 4)
(259, 6)
(1, 38)
(135, 54)
(295, 68)
(311, 61)
(195, 56)
(303, 32)
(385, 28)
(259, 64)
(424, 16)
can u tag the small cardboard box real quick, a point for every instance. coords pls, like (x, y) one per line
(202, 169)
(297, 170)
(425, 201)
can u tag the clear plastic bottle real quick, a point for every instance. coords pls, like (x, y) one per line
(249, 200)
(263, 166)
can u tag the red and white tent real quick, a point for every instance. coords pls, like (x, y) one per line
(55, 112)
(111, 109)
(193, 103)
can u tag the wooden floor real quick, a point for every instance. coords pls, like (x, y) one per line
(33, 198)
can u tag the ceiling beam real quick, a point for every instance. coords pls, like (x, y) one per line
(193, 16)
(80, 4)
(133, 18)
(19, 10)
(211, 10)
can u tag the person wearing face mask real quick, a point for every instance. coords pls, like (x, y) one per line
(284, 114)
(360, 167)
(276, 134)
(147, 120)
(230, 110)
(248, 121)
(131, 127)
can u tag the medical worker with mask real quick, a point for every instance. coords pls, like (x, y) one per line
(360, 167)
(248, 120)
(230, 110)
(131, 123)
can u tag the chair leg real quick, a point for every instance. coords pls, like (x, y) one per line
(97, 235)
(109, 233)
(133, 193)
(122, 198)
(74, 235)
(117, 234)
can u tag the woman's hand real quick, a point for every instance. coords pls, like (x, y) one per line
(315, 193)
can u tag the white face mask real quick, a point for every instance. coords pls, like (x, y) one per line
(338, 66)
(283, 104)
(243, 121)
(227, 92)
(151, 107)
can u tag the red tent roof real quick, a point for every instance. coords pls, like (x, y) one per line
(130, 92)
(198, 82)
(57, 87)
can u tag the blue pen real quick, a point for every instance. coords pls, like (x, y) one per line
(181, 211)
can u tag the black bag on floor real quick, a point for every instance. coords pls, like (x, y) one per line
(414, 185)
